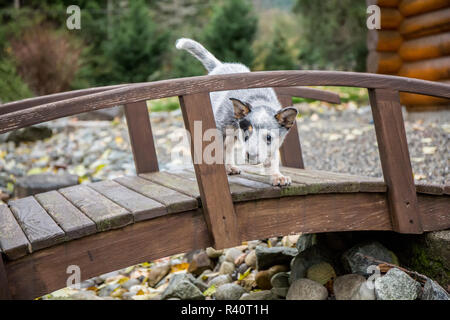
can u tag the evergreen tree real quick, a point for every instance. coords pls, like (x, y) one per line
(136, 49)
(279, 56)
(231, 31)
(333, 34)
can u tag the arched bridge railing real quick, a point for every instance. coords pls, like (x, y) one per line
(196, 106)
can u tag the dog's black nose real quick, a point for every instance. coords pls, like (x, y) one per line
(247, 156)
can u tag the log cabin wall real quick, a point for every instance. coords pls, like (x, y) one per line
(414, 41)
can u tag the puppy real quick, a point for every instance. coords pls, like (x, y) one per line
(255, 114)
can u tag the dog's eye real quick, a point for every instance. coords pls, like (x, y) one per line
(246, 138)
(269, 139)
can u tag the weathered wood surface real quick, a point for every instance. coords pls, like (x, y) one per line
(4, 286)
(13, 242)
(211, 178)
(183, 86)
(45, 271)
(291, 149)
(141, 207)
(395, 160)
(172, 199)
(40, 229)
(141, 137)
(309, 93)
(105, 213)
(384, 40)
(430, 69)
(74, 223)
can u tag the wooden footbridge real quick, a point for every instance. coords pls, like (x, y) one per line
(108, 225)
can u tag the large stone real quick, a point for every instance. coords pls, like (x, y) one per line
(250, 259)
(220, 280)
(344, 287)
(359, 258)
(267, 257)
(181, 286)
(433, 291)
(396, 285)
(364, 293)
(322, 272)
(290, 241)
(31, 134)
(306, 241)
(38, 183)
(306, 259)
(280, 280)
(280, 292)
(305, 289)
(226, 267)
(259, 295)
(229, 291)
(200, 262)
(232, 254)
(213, 253)
(263, 277)
(157, 273)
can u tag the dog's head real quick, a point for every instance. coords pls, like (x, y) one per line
(263, 129)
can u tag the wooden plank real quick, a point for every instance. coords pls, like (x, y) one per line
(40, 229)
(177, 87)
(4, 286)
(74, 223)
(239, 191)
(141, 137)
(105, 213)
(447, 189)
(313, 213)
(291, 150)
(174, 182)
(434, 212)
(211, 178)
(141, 207)
(45, 271)
(172, 199)
(429, 188)
(13, 241)
(395, 161)
(366, 184)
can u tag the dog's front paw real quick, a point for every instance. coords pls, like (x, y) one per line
(279, 180)
(232, 170)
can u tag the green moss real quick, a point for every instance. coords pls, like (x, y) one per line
(423, 262)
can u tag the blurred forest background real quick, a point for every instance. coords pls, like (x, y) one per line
(123, 41)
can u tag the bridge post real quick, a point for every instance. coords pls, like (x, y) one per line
(395, 161)
(212, 179)
(4, 287)
(141, 137)
(291, 150)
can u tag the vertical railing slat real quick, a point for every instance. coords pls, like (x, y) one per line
(395, 161)
(4, 287)
(211, 178)
(141, 137)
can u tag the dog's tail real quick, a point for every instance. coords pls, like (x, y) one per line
(198, 51)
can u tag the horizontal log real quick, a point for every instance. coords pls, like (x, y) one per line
(383, 3)
(431, 69)
(384, 40)
(421, 100)
(414, 7)
(183, 86)
(383, 62)
(391, 18)
(425, 24)
(433, 46)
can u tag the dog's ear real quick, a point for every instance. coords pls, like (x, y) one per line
(286, 117)
(241, 109)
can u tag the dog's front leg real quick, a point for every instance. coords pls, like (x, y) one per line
(276, 178)
(230, 167)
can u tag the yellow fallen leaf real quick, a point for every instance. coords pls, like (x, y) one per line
(140, 293)
(210, 291)
(179, 267)
(245, 274)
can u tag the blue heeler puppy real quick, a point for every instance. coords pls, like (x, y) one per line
(252, 116)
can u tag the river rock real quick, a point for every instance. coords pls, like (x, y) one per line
(396, 285)
(220, 280)
(280, 280)
(433, 291)
(306, 241)
(305, 289)
(280, 292)
(250, 259)
(200, 262)
(38, 183)
(306, 259)
(321, 272)
(213, 253)
(360, 257)
(229, 291)
(290, 241)
(232, 254)
(263, 277)
(364, 293)
(157, 273)
(182, 287)
(33, 133)
(344, 287)
(226, 267)
(267, 257)
(259, 295)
